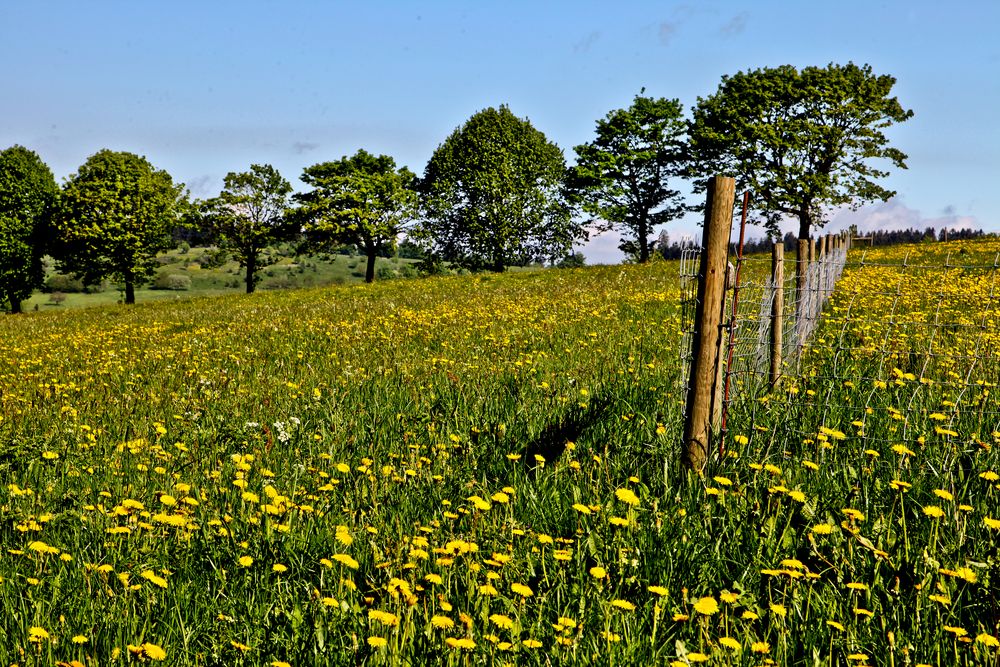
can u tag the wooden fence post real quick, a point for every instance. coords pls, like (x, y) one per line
(801, 284)
(777, 310)
(708, 318)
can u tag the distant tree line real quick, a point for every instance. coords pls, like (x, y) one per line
(668, 249)
(495, 193)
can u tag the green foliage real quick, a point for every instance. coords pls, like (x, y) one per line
(116, 213)
(172, 281)
(491, 195)
(362, 200)
(28, 192)
(799, 140)
(621, 177)
(249, 215)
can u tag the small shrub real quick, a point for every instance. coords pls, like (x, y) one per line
(385, 273)
(56, 298)
(172, 281)
(63, 283)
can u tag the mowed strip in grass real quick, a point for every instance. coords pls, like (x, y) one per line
(467, 470)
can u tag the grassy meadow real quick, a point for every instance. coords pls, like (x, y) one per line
(482, 470)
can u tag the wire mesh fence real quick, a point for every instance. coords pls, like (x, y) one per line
(749, 317)
(907, 351)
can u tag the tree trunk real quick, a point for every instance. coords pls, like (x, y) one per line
(15, 303)
(805, 222)
(643, 240)
(371, 253)
(251, 271)
(129, 291)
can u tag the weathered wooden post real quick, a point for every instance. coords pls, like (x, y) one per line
(801, 286)
(708, 319)
(777, 310)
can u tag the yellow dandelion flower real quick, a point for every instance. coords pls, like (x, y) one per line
(729, 643)
(581, 508)
(623, 604)
(987, 640)
(779, 610)
(991, 523)
(760, 647)
(658, 590)
(728, 597)
(344, 559)
(598, 572)
(531, 643)
(442, 622)
(944, 495)
(377, 642)
(245, 561)
(522, 590)
(279, 568)
(502, 621)
(958, 632)
(153, 651)
(706, 606)
(933, 511)
(460, 642)
(627, 496)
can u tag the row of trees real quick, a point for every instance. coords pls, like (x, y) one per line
(495, 193)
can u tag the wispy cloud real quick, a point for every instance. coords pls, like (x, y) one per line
(301, 147)
(736, 25)
(894, 215)
(201, 186)
(667, 31)
(584, 45)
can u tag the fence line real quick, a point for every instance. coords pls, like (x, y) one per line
(908, 352)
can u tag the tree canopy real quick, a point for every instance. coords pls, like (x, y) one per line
(28, 193)
(621, 177)
(362, 200)
(249, 215)
(116, 213)
(491, 195)
(800, 140)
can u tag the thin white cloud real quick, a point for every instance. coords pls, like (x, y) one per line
(894, 215)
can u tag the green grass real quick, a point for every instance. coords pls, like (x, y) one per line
(477, 470)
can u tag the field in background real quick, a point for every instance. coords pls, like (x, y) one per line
(207, 276)
(479, 470)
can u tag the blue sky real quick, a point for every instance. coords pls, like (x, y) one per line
(204, 88)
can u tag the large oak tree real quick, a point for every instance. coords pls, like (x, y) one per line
(28, 193)
(249, 215)
(491, 195)
(362, 200)
(622, 177)
(116, 213)
(800, 140)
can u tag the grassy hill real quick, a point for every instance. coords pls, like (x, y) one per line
(206, 271)
(484, 470)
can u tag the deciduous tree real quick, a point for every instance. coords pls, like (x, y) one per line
(362, 200)
(800, 140)
(28, 193)
(491, 195)
(249, 215)
(622, 177)
(116, 214)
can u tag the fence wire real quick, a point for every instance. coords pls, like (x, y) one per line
(906, 350)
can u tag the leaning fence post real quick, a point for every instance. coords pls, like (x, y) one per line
(708, 318)
(777, 310)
